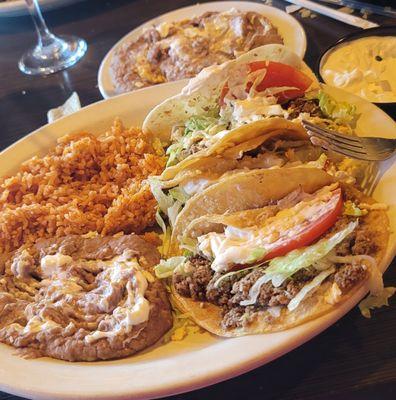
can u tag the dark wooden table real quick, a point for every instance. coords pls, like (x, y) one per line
(355, 358)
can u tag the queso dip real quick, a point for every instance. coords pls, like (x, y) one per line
(365, 67)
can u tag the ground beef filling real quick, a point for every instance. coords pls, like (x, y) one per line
(302, 105)
(198, 281)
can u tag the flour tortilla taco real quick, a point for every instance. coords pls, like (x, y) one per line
(272, 249)
(267, 89)
(201, 97)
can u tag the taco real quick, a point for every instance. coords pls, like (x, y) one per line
(228, 102)
(272, 249)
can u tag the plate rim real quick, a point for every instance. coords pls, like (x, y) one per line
(103, 68)
(205, 379)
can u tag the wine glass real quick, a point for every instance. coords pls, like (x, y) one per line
(52, 53)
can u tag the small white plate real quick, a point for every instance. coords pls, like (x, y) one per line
(289, 28)
(15, 8)
(201, 359)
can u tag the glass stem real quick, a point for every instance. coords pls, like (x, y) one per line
(45, 37)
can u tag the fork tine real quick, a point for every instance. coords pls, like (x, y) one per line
(330, 136)
(349, 153)
(335, 142)
(333, 134)
(369, 149)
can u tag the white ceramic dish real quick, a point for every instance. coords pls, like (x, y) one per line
(289, 28)
(201, 359)
(15, 8)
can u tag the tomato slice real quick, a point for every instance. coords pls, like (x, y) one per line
(323, 221)
(277, 75)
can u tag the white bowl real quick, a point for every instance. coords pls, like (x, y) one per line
(289, 28)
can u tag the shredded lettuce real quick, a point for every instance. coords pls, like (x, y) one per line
(179, 194)
(309, 288)
(169, 204)
(199, 123)
(164, 201)
(166, 267)
(337, 110)
(189, 244)
(282, 268)
(173, 212)
(376, 301)
(160, 222)
(350, 208)
(166, 241)
(229, 274)
(256, 255)
(173, 153)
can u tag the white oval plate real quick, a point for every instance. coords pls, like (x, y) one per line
(289, 28)
(15, 8)
(201, 359)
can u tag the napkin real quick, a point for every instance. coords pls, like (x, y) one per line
(71, 105)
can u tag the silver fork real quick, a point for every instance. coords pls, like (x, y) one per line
(362, 148)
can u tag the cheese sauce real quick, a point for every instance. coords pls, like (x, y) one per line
(365, 67)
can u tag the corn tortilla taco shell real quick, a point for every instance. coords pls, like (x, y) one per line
(240, 140)
(209, 316)
(247, 190)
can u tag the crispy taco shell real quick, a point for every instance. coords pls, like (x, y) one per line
(236, 142)
(247, 190)
(209, 316)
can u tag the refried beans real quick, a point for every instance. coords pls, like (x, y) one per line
(178, 50)
(80, 298)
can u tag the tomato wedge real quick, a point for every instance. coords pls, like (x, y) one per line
(323, 221)
(277, 75)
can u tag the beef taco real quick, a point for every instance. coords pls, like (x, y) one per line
(268, 83)
(293, 247)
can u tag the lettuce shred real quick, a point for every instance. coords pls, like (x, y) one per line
(166, 267)
(164, 201)
(200, 123)
(281, 268)
(309, 288)
(169, 204)
(337, 110)
(256, 255)
(179, 194)
(173, 153)
(376, 301)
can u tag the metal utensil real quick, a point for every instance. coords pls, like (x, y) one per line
(361, 148)
(335, 14)
(360, 6)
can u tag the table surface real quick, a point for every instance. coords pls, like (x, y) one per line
(356, 357)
